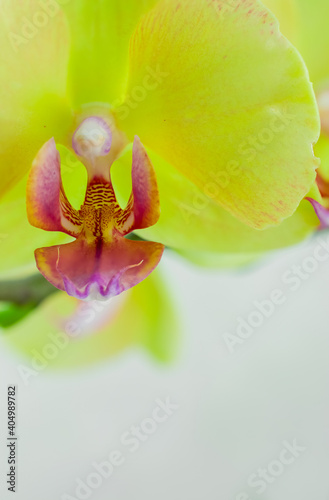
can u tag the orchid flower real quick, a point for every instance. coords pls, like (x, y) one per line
(218, 107)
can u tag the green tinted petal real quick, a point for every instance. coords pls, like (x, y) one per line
(193, 222)
(322, 151)
(142, 317)
(33, 78)
(313, 39)
(100, 34)
(308, 30)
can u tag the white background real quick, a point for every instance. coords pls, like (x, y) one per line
(235, 410)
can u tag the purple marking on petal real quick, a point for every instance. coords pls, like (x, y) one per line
(321, 212)
(72, 290)
(97, 288)
(93, 138)
(115, 287)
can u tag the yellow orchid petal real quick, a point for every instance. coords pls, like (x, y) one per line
(220, 94)
(190, 221)
(66, 333)
(33, 75)
(100, 34)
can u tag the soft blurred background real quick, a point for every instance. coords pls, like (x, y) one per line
(244, 409)
(236, 410)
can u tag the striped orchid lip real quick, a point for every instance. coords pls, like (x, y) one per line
(101, 262)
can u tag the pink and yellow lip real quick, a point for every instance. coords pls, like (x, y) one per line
(101, 262)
